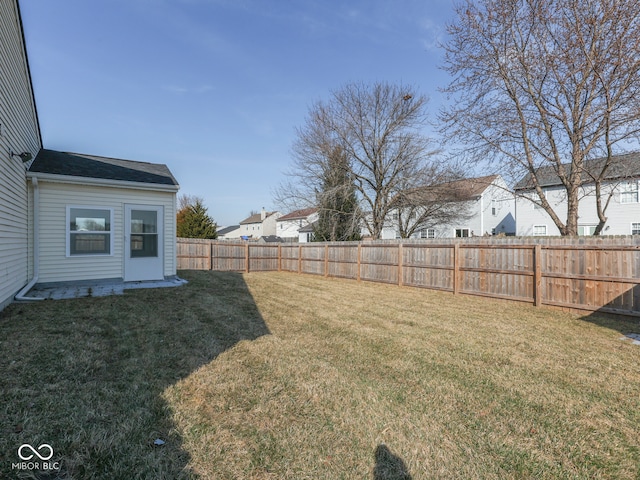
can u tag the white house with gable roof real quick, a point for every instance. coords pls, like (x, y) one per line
(483, 206)
(258, 225)
(289, 225)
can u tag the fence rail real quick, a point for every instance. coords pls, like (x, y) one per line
(592, 274)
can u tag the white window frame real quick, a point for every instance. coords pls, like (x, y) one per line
(68, 231)
(629, 190)
(427, 233)
(637, 229)
(455, 232)
(586, 225)
(540, 234)
(494, 207)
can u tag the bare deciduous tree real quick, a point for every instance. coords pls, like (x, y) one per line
(546, 83)
(379, 128)
(186, 200)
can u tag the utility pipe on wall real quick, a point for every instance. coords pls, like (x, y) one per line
(20, 296)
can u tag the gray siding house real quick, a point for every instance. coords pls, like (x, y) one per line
(621, 184)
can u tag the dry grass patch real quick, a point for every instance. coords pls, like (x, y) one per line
(453, 386)
(280, 376)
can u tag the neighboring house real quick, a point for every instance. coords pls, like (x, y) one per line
(259, 225)
(230, 232)
(484, 206)
(621, 183)
(289, 225)
(307, 234)
(70, 217)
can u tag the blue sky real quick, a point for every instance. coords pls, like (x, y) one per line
(216, 88)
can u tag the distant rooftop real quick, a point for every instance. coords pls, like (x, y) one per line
(457, 190)
(298, 214)
(229, 229)
(256, 218)
(622, 166)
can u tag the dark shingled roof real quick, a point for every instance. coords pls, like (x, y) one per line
(269, 239)
(229, 229)
(309, 228)
(89, 166)
(622, 166)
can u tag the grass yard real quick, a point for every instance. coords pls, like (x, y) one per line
(280, 376)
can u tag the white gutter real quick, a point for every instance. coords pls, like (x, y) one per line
(36, 246)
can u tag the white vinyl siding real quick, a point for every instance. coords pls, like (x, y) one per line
(18, 133)
(56, 266)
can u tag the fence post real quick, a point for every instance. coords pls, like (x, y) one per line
(537, 275)
(246, 258)
(299, 259)
(359, 260)
(456, 268)
(211, 247)
(326, 260)
(400, 272)
(279, 257)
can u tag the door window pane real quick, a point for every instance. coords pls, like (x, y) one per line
(144, 233)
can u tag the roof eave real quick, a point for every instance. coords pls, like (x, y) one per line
(101, 182)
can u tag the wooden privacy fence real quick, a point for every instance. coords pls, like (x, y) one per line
(593, 274)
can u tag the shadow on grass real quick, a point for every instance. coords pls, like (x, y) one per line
(86, 376)
(628, 325)
(389, 466)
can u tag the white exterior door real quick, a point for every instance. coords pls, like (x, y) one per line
(143, 243)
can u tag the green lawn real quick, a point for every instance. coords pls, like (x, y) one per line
(281, 376)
